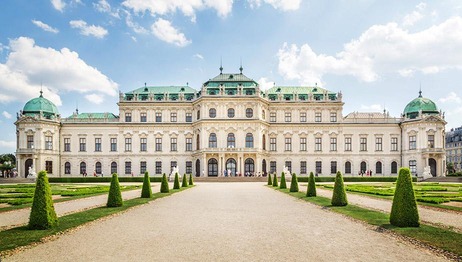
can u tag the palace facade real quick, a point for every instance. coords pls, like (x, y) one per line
(230, 124)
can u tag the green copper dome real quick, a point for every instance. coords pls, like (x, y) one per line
(420, 104)
(40, 104)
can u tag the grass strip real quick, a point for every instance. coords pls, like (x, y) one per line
(21, 236)
(444, 239)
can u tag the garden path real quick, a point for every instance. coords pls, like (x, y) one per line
(226, 222)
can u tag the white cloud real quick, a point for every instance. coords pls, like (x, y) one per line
(103, 6)
(452, 97)
(58, 4)
(134, 26)
(45, 27)
(29, 65)
(265, 84)
(95, 98)
(164, 30)
(7, 144)
(285, 5)
(373, 107)
(88, 30)
(414, 16)
(380, 50)
(6, 115)
(199, 56)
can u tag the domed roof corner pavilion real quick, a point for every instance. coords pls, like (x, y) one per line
(420, 105)
(41, 106)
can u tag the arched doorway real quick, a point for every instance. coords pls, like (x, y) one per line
(28, 164)
(263, 166)
(432, 164)
(231, 166)
(212, 169)
(198, 168)
(249, 166)
(363, 167)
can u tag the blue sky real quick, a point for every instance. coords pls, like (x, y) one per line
(82, 52)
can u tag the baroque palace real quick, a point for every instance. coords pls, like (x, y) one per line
(230, 125)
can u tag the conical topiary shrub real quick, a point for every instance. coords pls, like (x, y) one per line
(275, 180)
(42, 214)
(146, 191)
(164, 184)
(176, 183)
(191, 182)
(339, 197)
(404, 212)
(311, 189)
(294, 183)
(184, 183)
(114, 198)
(283, 184)
(270, 182)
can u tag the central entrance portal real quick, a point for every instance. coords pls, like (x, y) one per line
(249, 167)
(231, 166)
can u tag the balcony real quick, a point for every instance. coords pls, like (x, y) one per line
(431, 150)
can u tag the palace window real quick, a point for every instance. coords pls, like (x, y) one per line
(212, 113)
(347, 167)
(272, 117)
(143, 118)
(394, 144)
(302, 143)
(114, 168)
(378, 144)
(249, 140)
(303, 117)
(213, 167)
(173, 164)
(413, 166)
(128, 167)
(158, 144)
(288, 117)
(49, 167)
(48, 143)
(67, 145)
(333, 167)
(272, 144)
(378, 167)
(143, 145)
(273, 167)
(198, 114)
(142, 167)
(30, 141)
(67, 168)
(289, 166)
(263, 142)
(158, 167)
(173, 144)
(333, 144)
(97, 144)
(318, 144)
(302, 167)
(83, 168)
(249, 112)
(128, 117)
(128, 144)
(188, 167)
(213, 140)
(333, 117)
(113, 144)
(288, 144)
(412, 142)
(158, 117)
(317, 117)
(363, 144)
(431, 141)
(347, 143)
(394, 167)
(188, 144)
(318, 165)
(263, 115)
(173, 117)
(231, 141)
(188, 117)
(83, 144)
(230, 112)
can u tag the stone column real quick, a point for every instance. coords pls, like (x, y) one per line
(204, 171)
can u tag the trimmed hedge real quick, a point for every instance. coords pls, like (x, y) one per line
(114, 198)
(42, 214)
(176, 183)
(311, 189)
(100, 179)
(191, 182)
(339, 197)
(164, 184)
(184, 182)
(294, 183)
(404, 211)
(270, 182)
(305, 179)
(283, 184)
(275, 180)
(146, 191)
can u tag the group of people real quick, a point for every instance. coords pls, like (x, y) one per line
(10, 174)
(367, 173)
(228, 173)
(84, 174)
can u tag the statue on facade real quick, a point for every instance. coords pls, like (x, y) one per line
(32, 173)
(427, 173)
(172, 174)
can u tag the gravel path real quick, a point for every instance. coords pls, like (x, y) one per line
(431, 216)
(21, 216)
(226, 222)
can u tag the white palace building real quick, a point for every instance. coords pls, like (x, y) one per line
(230, 124)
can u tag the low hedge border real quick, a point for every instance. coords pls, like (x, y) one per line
(353, 179)
(100, 179)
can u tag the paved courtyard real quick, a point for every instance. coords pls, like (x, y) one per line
(226, 222)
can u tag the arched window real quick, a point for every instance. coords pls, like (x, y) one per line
(212, 113)
(347, 167)
(394, 167)
(83, 168)
(231, 166)
(98, 168)
(249, 112)
(249, 166)
(378, 167)
(213, 140)
(231, 141)
(230, 112)
(113, 168)
(249, 140)
(213, 167)
(198, 143)
(263, 141)
(363, 167)
(67, 168)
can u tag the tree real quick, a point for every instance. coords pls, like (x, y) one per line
(191, 182)
(184, 182)
(275, 180)
(283, 181)
(115, 196)
(311, 189)
(176, 183)
(294, 183)
(404, 212)
(146, 192)
(164, 184)
(450, 168)
(339, 198)
(270, 182)
(42, 214)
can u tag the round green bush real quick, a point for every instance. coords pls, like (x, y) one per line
(164, 184)
(311, 189)
(275, 180)
(404, 212)
(270, 182)
(42, 214)
(283, 184)
(114, 198)
(176, 183)
(184, 182)
(146, 191)
(339, 198)
(294, 183)
(191, 182)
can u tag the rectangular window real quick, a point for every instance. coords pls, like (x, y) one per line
(128, 117)
(173, 117)
(142, 167)
(143, 118)
(333, 144)
(333, 117)
(303, 167)
(189, 144)
(273, 167)
(83, 144)
(173, 164)
(173, 145)
(317, 117)
(128, 167)
(318, 167)
(143, 144)
(159, 144)
(158, 117)
(98, 144)
(333, 167)
(303, 117)
(303, 144)
(48, 143)
(289, 166)
(49, 167)
(128, 144)
(378, 144)
(318, 144)
(431, 141)
(158, 167)
(113, 144)
(272, 144)
(394, 144)
(273, 117)
(413, 166)
(188, 167)
(288, 117)
(67, 145)
(288, 144)
(412, 142)
(363, 144)
(188, 117)
(347, 143)
(30, 142)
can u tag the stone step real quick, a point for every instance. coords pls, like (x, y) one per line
(448, 179)
(230, 179)
(16, 180)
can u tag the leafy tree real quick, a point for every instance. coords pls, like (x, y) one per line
(184, 182)
(42, 214)
(176, 183)
(275, 180)
(404, 212)
(146, 192)
(294, 183)
(311, 189)
(191, 182)
(115, 195)
(339, 198)
(283, 181)
(450, 167)
(270, 182)
(164, 184)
